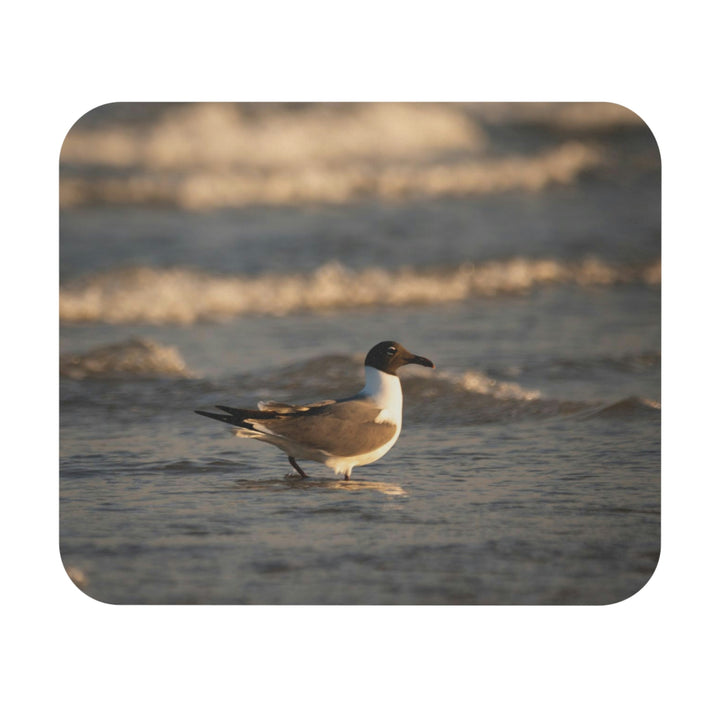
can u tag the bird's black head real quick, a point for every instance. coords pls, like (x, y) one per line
(388, 356)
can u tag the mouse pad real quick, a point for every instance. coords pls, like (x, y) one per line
(360, 353)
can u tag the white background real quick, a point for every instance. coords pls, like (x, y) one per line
(66, 655)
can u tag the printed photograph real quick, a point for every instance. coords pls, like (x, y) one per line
(360, 353)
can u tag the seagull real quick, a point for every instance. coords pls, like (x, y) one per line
(338, 433)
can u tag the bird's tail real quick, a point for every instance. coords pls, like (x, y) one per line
(237, 416)
(240, 419)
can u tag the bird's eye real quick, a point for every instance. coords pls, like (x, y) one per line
(390, 350)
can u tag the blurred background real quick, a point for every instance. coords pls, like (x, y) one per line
(226, 253)
(332, 192)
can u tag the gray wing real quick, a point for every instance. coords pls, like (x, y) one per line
(344, 428)
(286, 408)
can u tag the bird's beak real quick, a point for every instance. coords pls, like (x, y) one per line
(420, 360)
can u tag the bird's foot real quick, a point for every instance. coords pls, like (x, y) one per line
(301, 472)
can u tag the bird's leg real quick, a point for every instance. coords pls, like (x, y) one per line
(347, 476)
(297, 467)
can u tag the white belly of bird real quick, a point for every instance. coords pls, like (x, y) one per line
(343, 465)
(386, 393)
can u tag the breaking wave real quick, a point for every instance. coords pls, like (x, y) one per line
(205, 155)
(628, 408)
(137, 357)
(444, 397)
(184, 296)
(437, 396)
(178, 136)
(208, 190)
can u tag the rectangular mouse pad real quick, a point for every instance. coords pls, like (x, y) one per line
(360, 353)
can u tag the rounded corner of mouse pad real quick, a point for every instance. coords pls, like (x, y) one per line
(225, 269)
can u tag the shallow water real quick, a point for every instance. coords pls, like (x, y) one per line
(536, 512)
(528, 468)
(535, 481)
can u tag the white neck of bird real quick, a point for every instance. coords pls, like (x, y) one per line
(384, 389)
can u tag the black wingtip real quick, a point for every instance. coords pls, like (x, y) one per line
(214, 416)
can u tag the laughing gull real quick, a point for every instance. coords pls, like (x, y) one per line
(338, 433)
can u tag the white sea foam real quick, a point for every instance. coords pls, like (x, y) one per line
(134, 357)
(203, 156)
(183, 296)
(478, 382)
(226, 135)
(331, 184)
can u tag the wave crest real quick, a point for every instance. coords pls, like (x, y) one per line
(137, 357)
(183, 296)
(316, 183)
(205, 155)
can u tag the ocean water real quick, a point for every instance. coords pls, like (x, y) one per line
(517, 246)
